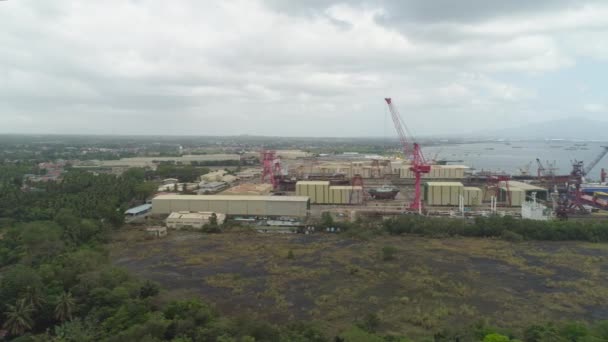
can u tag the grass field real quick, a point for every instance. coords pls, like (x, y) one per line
(425, 285)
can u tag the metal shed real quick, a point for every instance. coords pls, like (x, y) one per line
(295, 206)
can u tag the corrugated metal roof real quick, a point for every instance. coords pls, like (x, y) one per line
(524, 186)
(313, 182)
(138, 209)
(450, 166)
(443, 183)
(234, 198)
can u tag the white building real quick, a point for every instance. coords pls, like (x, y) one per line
(198, 219)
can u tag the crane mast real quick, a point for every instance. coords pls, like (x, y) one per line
(419, 165)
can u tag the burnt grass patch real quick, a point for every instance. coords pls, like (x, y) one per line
(428, 284)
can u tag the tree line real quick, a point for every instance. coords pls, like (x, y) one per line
(505, 227)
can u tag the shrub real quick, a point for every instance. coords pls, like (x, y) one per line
(388, 253)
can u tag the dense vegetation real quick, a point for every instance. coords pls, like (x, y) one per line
(57, 283)
(504, 227)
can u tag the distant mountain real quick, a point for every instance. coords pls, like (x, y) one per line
(571, 128)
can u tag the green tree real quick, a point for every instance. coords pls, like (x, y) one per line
(19, 317)
(290, 255)
(65, 307)
(145, 190)
(35, 297)
(213, 220)
(326, 220)
(496, 338)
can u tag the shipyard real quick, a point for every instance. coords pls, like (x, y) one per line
(304, 171)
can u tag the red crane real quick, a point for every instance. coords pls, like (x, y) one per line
(413, 153)
(271, 167)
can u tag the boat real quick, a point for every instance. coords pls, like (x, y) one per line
(384, 192)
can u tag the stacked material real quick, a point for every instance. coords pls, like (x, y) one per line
(249, 190)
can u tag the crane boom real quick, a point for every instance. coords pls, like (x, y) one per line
(541, 169)
(595, 161)
(399, 127)
(414, 154)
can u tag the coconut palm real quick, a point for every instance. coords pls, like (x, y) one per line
(34, 296)
(65, 306)
(19, 317)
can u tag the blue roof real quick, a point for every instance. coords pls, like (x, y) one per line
(139, 209)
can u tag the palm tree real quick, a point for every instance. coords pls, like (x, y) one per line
(18, 317)
(34, 297)
(65, 306)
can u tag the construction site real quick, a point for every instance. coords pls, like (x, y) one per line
(301, 186)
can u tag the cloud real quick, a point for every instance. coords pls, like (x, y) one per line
(283, 67)
(595, 108)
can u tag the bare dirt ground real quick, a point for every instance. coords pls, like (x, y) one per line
(430, 283)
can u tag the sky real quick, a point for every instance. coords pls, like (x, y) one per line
(299, 68)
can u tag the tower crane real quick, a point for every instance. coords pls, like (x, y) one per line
(577, 177)
(413, 152)
(595, 161)
(541, 168)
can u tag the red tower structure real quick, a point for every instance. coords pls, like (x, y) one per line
(414, 153)
(356, 182)
(493, 186)
(603, 175)
(271, 167)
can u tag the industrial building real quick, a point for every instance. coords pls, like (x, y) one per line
(472, 195)
(138, 211)
(448, 194)
(152, 162)
(437, 172)
(181, 219)
(320, 192)
(519, 192)
(156, 232)
(345, 194)
(249, 189)
(211, 188)
(291, 206)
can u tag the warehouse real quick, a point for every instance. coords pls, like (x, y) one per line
(211, 188)
(437, 172)
(138, 211)
(443, 193)
(520, 192)
(472, 195)
(345, 194)
(291, 206)
(318, 191)
(181, 219)
(249, 189)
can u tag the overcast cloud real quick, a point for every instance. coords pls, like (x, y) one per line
(305, 68)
